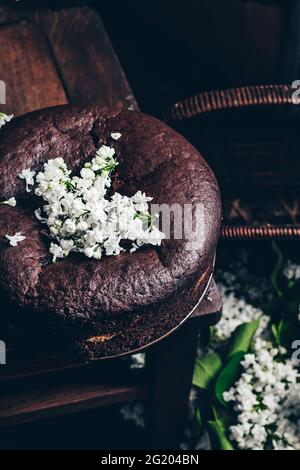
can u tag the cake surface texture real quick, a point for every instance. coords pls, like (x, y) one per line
(87, 298)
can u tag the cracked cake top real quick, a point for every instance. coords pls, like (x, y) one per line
(152, 158)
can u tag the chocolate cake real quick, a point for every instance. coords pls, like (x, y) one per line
(121, 303)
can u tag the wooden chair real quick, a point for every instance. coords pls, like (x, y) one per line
(50, 57)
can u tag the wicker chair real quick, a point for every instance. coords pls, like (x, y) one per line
(250, 136)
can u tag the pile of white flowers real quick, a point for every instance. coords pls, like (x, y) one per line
(79, 215)
(266, 397)
(267, 401)
(235, 312)
(264, 403)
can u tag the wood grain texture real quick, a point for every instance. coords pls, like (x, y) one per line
(85, 58)
(25, 406)
(28, 71)
(25, 364)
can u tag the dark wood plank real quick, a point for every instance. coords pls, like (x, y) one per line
(28, 71)
(210, 309)
(85, 58)
(25, 364)
(25, 406)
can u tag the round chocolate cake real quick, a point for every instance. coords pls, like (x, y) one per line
(107, 307)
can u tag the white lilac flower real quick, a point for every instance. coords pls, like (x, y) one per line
(27, 175)
(141, 201)
(4, 118)
(292, 271)
(104, 159)
(116, 135)
(79, 216)
(265, 400)
(56, 251)
(10, 202)
(134, 412)
(137, 361)
(235, 312)
(89, 252)
(15, 239)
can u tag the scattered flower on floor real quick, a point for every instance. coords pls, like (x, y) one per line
(134, 412)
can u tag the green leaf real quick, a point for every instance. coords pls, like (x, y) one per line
(238, 347)
(228, 376)
(242, 337)
(198, 421)
(217, 434)
(277, 271)
(206, 370)
(284, 332)
(278, 332)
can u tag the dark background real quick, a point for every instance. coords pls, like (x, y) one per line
(170, 49)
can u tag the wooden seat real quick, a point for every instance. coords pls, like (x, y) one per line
(50, 57)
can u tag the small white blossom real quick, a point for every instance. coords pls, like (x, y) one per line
(105, 153)
(116, 135)
(141, 201)
(15, 239)
(38, 215)
(89, 252)
(56, 251)
(27, 175)
(4, 118)
(229, 396)
(292, 271)
(137, 361)
(10, 202)
(134, 412)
